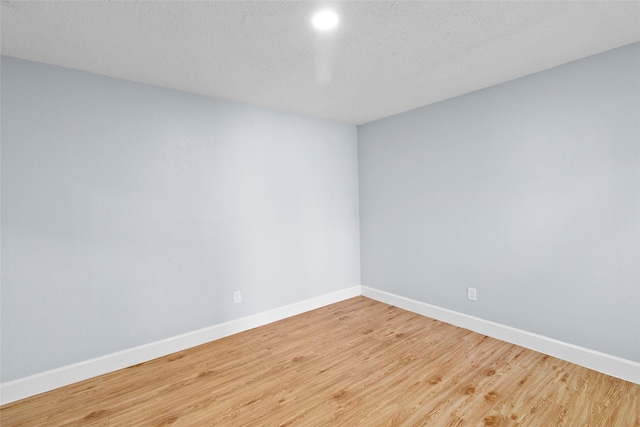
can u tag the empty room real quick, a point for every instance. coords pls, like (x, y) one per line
(300, 213)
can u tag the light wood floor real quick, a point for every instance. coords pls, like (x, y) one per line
(358, 362)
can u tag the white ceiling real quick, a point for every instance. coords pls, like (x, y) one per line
(385, 58)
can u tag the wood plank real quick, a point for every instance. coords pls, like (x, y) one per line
(358, 362)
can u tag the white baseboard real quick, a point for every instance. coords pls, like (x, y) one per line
(55, 378)
(611, 365)
(49, 380)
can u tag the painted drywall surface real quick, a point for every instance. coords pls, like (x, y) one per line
(528, 191)
(131, 213)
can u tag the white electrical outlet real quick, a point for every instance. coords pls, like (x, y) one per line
(471, 294)
(237, 297)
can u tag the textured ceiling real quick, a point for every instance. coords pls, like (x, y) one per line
(385, 57)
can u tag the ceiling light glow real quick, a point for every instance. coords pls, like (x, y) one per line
(326, 20)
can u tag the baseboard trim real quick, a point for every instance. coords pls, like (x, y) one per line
(611, 365)
(30, 386)
(35, 384)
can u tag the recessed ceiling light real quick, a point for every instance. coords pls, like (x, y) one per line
(326, 20)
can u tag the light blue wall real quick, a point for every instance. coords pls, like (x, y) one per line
(131, 213)
(528, 191)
